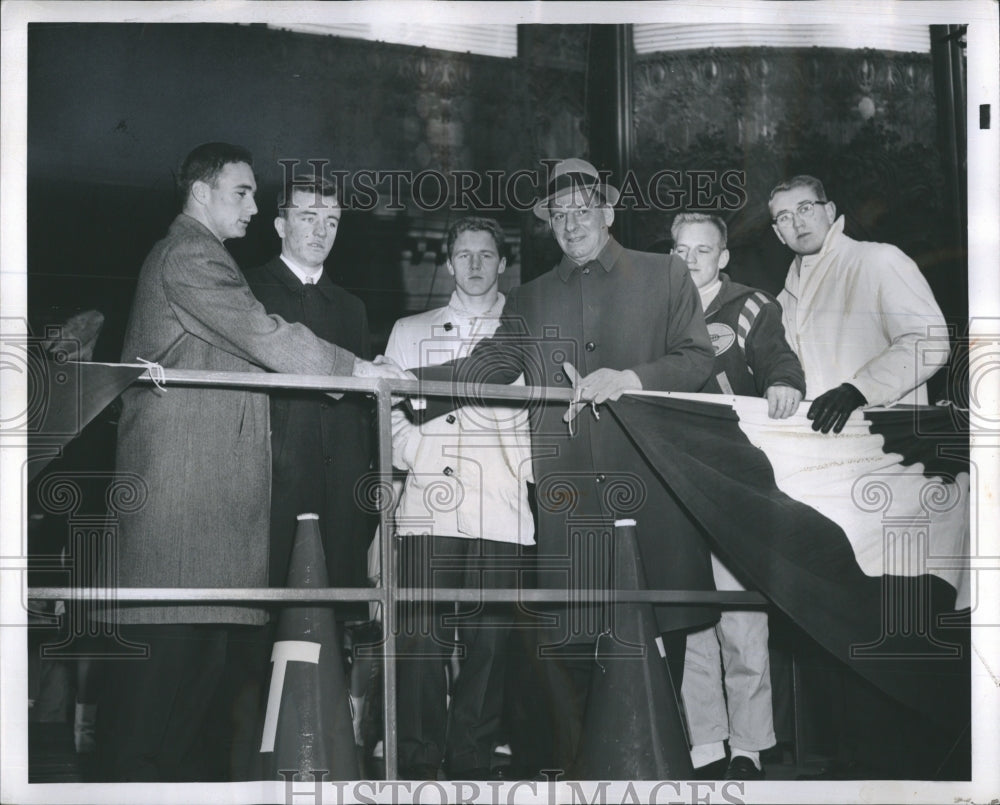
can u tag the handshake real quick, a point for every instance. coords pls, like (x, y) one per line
(381, 367)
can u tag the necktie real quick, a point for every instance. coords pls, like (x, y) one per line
(309, 289)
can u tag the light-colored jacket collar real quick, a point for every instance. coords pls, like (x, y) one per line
(456, 307)
(833, 234)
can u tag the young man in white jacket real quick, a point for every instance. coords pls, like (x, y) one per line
(464, 508)
(859, 315)
(866, 327)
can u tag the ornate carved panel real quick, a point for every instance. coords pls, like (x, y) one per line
(747, 95)
(563, 47)
(862, 121)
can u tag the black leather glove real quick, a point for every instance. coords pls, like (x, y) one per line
(832, 408)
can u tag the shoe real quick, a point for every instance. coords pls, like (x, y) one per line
(742, 768)
(418, 771)
(715, 770)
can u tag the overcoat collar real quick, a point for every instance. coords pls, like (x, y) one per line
(183, 221)
(606, 259)
(281, 272)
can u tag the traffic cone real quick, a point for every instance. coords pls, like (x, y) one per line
(632, 728)
(307, 723)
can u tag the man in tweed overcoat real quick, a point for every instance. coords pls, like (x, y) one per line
(204, 457)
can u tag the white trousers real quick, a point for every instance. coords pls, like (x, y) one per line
(735, 650)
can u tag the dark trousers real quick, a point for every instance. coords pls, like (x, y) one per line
(170, 717)
(429, 731)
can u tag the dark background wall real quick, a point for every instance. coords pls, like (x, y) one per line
(113, 108)
(864, 122)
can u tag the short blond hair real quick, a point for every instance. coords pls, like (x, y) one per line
(699, 218)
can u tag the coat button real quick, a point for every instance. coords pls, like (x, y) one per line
(450, 419)
(590, 346)
(328, 460)
(449, 471)
(601, 478)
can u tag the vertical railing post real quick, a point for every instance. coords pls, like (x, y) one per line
(383, 398)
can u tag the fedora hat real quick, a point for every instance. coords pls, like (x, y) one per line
(572, 174)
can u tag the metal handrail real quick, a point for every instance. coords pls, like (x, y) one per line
(279, 595)
(383, 390)
(375, 386)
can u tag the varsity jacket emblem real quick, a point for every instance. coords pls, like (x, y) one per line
(751, 353)
(723, 336)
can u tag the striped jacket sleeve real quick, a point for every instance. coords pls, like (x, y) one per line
(761, 336)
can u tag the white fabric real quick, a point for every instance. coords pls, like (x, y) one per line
(862, 313)
(486, 451)
(897, 521)
(709, 292)
(733, 652)
(305, 277)
(753, 756)
(703, 754)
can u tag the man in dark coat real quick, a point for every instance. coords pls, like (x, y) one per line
(200, 514)
(320, 447)
(625, 320)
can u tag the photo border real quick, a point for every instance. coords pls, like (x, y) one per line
(984, 315)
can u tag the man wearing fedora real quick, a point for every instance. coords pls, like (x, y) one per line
(625, 320)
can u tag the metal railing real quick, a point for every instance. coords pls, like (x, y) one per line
(389, 593)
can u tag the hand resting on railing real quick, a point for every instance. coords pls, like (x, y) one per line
(382, 367)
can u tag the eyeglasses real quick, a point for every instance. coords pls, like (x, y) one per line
(806, 210)
(560, 216)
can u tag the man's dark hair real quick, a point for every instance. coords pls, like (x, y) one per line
(477, 224)
(206, 162)
(318, 186)
(802, 180)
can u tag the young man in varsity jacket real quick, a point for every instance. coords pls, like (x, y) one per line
(752, 359)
